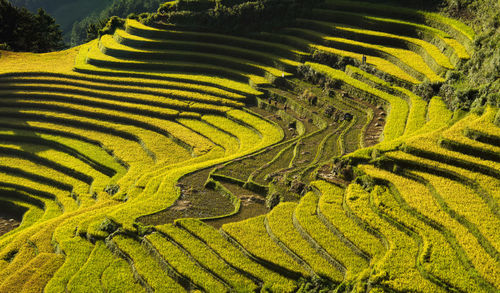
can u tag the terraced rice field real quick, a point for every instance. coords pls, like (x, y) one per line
(169, 160)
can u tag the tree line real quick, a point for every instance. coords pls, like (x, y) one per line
(21, 30)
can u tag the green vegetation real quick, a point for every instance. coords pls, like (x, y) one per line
(330, 208)
(147, 267)
(266, 249)
(181, 263)
(283, 231)
(208, 258)
(305, 216)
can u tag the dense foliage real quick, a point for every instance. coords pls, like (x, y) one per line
(81, 16)
(21, 30)
(66, 13)
(234, 15)
(478, 81)
(88, 28)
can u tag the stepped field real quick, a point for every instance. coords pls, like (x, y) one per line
(171, 159)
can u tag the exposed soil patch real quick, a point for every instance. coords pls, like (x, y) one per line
(268, 172)
(8, 224)
(376, 126)
(244, 167)
(326, 173)
(10, 217)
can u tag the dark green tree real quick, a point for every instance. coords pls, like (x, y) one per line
(21, 30)
(94, 28)
(87, 29)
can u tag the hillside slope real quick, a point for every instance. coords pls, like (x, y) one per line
(170, 158)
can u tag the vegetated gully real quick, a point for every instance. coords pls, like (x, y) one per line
(198, 201)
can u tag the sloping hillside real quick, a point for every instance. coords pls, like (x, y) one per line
(175, 158)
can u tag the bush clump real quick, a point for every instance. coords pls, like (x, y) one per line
(109, 225)
(87, 28)
(332, 60)
(273, 200)
(497, 119)
(112, 24)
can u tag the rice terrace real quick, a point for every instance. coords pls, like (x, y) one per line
(250, 146)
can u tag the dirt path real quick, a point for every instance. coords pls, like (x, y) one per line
(376, 126)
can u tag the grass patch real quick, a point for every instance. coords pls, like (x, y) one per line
(236, 258)
(118, 277)
(208, 258)
(306, 218)
(330, 207)
(399, 260)
(426, 210)
(252, 235)
(282, 228)
(89, 275)
(145, 265)
(183, 264)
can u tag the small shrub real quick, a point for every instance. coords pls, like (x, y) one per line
(113, 23)
(453, 76)
(5, 46)
(109, 225)
(477, 106)
(493, 97)
(366, 182)
(497, 118)
(315, 284)
(332, 60)
(329, 111)
(112, 189)
(273, 200)
(298, 187)
(167, 7)
(10, 255)
(132, 16)
(427, 90)
(143, 230)
(310, 97)
(143, 15)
